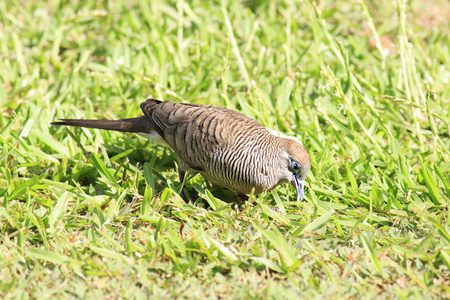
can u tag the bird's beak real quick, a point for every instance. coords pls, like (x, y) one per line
(299, 187)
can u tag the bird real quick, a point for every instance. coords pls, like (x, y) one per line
(226, 147)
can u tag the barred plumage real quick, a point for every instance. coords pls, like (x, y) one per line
(226, 147)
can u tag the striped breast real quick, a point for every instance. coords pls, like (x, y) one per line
(226, 147)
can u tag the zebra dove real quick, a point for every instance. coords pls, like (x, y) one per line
(226, 147)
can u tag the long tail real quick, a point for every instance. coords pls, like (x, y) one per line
(140, 124)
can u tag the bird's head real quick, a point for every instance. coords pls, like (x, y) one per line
(295, 165)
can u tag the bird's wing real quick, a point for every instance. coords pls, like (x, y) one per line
(175, 122)
(157, 122)
(166, 116)
(197, 133)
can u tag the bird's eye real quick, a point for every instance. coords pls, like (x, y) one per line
(295, 165)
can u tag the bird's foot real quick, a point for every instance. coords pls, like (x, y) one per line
(189, 196)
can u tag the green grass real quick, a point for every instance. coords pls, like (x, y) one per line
(95, 214)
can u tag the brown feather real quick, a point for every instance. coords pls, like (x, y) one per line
(226, 147)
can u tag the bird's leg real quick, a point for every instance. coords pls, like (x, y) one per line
(240, 201)
(181, 175)
(243, 197)
(185, 195)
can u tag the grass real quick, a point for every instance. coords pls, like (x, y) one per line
(94, 214)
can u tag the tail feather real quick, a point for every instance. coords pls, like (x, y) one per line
(140, 124)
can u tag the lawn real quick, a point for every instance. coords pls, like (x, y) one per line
(95, 214)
